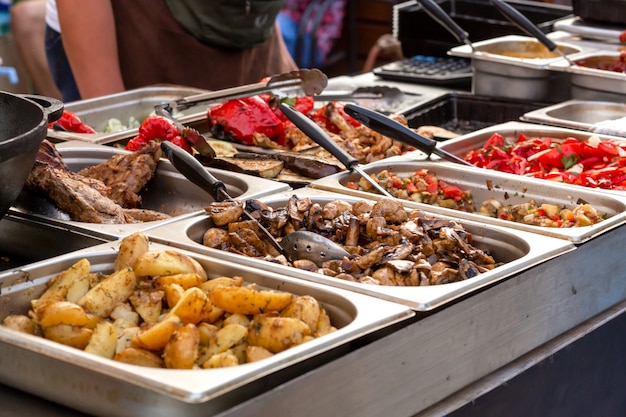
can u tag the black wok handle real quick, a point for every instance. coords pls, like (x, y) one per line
(522, 22)
(312, 130)
(52, 108)
(194, 171)
(444, 19)
(389, 127)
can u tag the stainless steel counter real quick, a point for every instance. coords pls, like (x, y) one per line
(443, 359)
(433, 360)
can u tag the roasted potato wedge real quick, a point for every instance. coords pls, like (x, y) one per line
(60, 284)
(181, 350)
(277, 333)
(64, 312)
(156, 337)
(193, 306)
(111, 291)
(103, 340)
(73, 336)
(139, 357)
(249, 300)
(167, 262)
(131, 248)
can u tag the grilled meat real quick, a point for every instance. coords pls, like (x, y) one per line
(127, 174)
(89, 199)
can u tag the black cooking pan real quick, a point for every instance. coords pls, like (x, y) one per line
(23, 125)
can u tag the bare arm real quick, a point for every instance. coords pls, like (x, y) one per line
(88, 33)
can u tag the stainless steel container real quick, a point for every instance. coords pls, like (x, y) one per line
(594, 84)
(508, 189)
(169, 191)
(137, 103)
(462, 145)
(518, 249)
(587, 115)
(498, 74)
(104, 387)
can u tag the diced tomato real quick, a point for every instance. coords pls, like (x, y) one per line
(352, 185)
(450, 191)
(396, 182)
(411, 188)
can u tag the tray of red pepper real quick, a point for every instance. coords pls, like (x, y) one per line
(562, 155)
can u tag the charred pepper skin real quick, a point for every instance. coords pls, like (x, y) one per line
(240, 119)
(157, 128)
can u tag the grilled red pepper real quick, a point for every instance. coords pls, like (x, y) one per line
(72, 123)
(241, 119)
(157, 128)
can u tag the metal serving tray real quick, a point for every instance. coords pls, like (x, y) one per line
(464, 112)
(498, 75)
(591, 83)
(507, 189)
(105, 387)
(138, 103)
(169, 191)
(462, 145)
(578, 114)
(520, 250)
(25, 241)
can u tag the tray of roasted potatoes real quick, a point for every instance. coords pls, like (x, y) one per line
(134, 327)
(420, 259)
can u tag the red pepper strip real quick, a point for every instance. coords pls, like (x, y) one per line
(72, 123)
(451, 191)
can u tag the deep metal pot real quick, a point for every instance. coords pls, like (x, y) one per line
(23, 125)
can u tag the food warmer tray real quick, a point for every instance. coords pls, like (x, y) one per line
(169, 191)
(26, 241)
(586, 115)
(137, 103)
(462, 145)
(590, 83)
(508, 189)
(101, 386)
(498, 75)
(464, 112)
(520, 249)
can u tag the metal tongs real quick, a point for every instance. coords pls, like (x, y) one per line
(440, 16)
(296, 83)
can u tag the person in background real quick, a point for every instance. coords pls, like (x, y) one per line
(27, 27)
(115, 45)
(55, 53)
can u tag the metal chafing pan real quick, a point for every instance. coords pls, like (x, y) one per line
(507, 189)
(463, 113)
(591, 83)
(169, 191)
(25, 241)
(577, 114)
(499, 75)
(137, 103)
(105, 387)
(519, 249)
(462, 145)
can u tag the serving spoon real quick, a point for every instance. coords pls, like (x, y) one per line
(301, 244)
